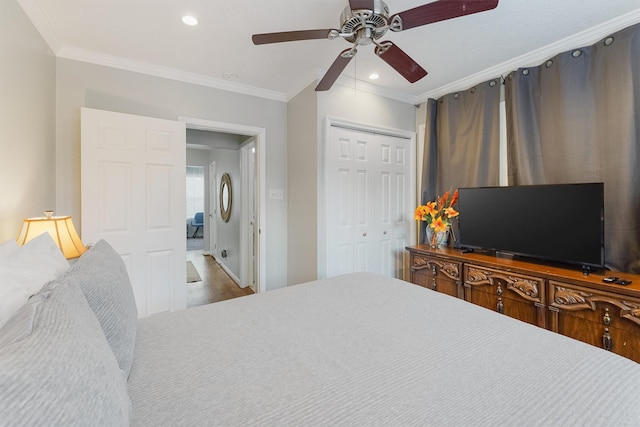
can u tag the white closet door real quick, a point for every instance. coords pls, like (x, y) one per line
(349, 202)
(392, 212)
(133, 195)
(366, 186)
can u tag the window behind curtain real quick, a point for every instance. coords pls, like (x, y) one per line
(195, 190)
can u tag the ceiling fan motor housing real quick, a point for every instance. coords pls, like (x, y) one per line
(365, 25)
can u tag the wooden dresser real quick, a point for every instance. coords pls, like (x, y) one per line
(560, 299)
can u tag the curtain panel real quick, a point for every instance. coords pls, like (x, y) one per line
(462, 140)
(576, 118)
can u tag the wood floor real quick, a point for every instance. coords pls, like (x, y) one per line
(215, 286)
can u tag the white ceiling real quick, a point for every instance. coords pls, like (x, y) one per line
(148, 36)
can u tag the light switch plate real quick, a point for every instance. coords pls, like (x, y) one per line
(276, 194)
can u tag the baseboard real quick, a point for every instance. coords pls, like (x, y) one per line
(229, 272)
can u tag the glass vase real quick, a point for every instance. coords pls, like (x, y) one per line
(437, 239)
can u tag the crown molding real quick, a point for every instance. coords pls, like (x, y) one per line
(98, 58)
(584, 38)
(538, 56)
(39, 20)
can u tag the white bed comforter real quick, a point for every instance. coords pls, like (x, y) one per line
(363, 349)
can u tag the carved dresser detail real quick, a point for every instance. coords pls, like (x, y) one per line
(600, 318)
(516, 295)
(557, 298)
(439, 274)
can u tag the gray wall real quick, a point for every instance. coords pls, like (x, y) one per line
(27, 122)
(87, 85)
(302, 161)
(228, 233)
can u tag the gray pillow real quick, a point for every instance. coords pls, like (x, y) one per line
(102, 276)
(56, 367)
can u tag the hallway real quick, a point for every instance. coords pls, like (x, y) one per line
(215, 286)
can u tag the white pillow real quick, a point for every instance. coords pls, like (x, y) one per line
(34, 264)
(7, 248)
(12, 297)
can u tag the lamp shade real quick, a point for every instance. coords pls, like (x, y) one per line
(61, 230)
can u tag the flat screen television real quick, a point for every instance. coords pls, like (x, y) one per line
(558, 222)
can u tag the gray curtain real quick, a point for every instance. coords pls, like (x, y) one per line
(462, 138)
(576, 118)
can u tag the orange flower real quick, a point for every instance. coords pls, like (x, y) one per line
(437, 213)
(450, 212)
(438, 224)
(442, 200)
(430, 209)
(454, 198)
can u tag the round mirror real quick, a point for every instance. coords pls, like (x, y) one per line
(225, 197)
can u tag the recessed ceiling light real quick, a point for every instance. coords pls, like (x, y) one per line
(374, 76)
(230, 76)
(189, 20)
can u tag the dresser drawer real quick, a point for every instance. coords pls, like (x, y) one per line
(599, 318)
(517, 295)
(438, 274)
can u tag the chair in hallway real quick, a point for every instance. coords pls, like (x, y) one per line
(197, 221)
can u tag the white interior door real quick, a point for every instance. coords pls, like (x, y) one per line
(368, 202)
(213, 210)
(133, 174)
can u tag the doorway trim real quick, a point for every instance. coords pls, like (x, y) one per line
(260, 136)
(248, 225)
(213, 211)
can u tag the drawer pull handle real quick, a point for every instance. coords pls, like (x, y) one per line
(434, 285)
(499, 291)
(607, 342)
(606, 319)
(500, 307)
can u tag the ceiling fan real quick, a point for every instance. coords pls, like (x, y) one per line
(363, 22)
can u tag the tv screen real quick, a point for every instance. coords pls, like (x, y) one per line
(559, 222)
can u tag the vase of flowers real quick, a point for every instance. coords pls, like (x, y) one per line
(437, 214)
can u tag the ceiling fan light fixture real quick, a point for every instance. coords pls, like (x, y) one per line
(190, 20)
(364, 22)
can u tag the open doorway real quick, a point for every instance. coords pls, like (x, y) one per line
(243, 162)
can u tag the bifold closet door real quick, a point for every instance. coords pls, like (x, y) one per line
(366, 196)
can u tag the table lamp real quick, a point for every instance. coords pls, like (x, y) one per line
(61, 230)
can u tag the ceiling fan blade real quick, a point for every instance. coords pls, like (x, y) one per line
(400, 61)
(336, 69)
(361, 4)
(290, 36)
(438, 11)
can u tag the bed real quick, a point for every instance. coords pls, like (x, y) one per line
(363, 349)
(358, 349)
